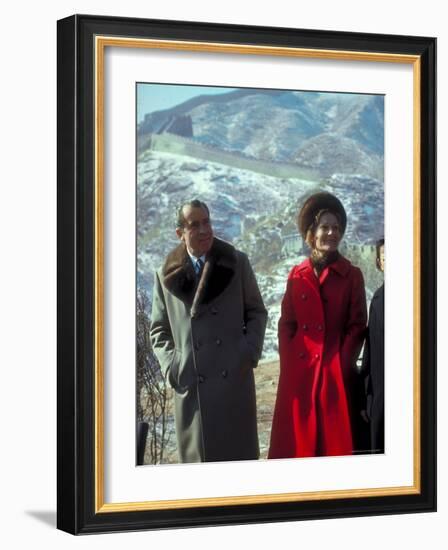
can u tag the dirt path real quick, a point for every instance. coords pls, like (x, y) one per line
(266, 379)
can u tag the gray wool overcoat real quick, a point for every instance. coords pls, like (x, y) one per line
(208, 336)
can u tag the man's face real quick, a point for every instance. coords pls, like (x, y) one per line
(197, 232)
(380, 259)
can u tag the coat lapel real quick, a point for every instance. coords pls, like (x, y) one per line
(180, 279)
(378, 299)
(178, 274)
(202, 286)
(306, 272)
(341, 266)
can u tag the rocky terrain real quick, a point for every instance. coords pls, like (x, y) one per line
(284, 126)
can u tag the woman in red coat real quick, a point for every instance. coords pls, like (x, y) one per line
(321, 331)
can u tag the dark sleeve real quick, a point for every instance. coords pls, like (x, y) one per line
(365, 365)
(355, 329)
(160, 331)
(255, 314)
(355, 332)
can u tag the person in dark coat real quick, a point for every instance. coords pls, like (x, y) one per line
(207, 330)
(321, 332)
(373, 361)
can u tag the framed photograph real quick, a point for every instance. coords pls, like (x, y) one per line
(226, 199)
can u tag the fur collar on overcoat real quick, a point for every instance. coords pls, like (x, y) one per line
(179, 276)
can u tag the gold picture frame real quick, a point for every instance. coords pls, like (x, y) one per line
(82, 43)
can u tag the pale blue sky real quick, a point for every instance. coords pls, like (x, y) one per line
(155, 97)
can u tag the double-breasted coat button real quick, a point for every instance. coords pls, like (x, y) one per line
(218, 341)
(320, 327)
(201, 378)
(214, 310)
(317, 356)
(224, 373)
(303, 296)
(301, 355)
(305, 327)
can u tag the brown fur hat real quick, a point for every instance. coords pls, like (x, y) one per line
(315, 204)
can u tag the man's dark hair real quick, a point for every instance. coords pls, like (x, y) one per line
(379, 243)
(195, 203)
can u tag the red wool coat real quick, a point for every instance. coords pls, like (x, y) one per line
(321, 331)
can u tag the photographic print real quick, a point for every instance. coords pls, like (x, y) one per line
(253, 157)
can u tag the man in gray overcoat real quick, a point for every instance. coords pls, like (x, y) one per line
(207, 330)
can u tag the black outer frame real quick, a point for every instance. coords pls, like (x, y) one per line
(75, 172)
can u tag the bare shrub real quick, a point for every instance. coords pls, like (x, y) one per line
(152, 387)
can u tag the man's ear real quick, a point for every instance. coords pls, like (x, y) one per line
(180, 233)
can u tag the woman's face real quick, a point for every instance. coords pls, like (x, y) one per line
(328, 233)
